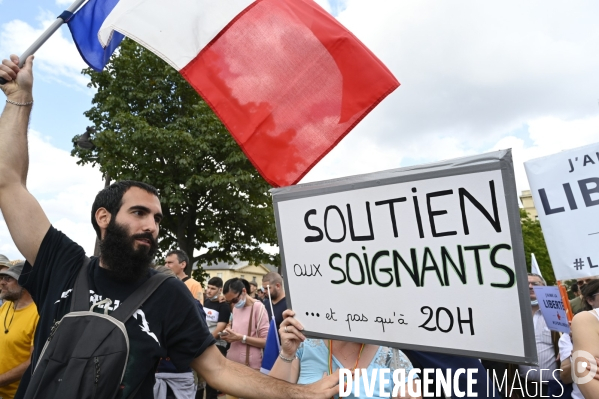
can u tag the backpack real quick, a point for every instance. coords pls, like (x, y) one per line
(86, 354)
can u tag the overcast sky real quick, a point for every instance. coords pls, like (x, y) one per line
(475, 77)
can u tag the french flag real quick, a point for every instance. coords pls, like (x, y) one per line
(284, 76)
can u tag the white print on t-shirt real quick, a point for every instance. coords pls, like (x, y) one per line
(93, 299)
(64, 295)
(211, 315)
(145, 327)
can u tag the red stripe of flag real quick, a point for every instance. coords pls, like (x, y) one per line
(289, 82)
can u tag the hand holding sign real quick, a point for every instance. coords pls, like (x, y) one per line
(290, 333)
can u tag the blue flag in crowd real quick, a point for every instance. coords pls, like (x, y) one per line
(271, 351)
(84, 26)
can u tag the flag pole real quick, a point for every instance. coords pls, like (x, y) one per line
(272, 311)
(61, 19)
(564, 294)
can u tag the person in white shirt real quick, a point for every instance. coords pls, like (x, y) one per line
(536, 381)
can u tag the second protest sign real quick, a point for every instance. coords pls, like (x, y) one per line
(427, 258)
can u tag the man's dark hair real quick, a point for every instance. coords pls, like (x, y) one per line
(574, 288)
(111, 198)
(181, 256)
(236, 285)
(588, 290)
(216, 282)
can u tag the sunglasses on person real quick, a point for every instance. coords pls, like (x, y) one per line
(8, 279)
(236, 299)
(583, 282)
(535, 283)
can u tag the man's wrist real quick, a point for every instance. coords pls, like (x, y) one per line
(20, 104)
(20, 97)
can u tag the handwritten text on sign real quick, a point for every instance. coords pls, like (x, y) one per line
(425, 263)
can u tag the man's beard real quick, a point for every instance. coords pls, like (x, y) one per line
(123, 262)
(10, 296)
(274, 294)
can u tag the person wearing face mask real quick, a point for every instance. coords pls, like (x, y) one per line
(249, 327)
(217, 318)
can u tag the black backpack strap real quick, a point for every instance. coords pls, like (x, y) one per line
(137, 298)
(80, 298)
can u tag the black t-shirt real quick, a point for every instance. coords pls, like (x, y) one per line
(223, 309)
(168, 324)
(278, 308)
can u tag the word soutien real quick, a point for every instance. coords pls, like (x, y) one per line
(465, 197)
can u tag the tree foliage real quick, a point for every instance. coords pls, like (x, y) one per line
(151, 126)
(534, 242)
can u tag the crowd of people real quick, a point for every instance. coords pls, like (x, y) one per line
(237, 321)
(186, 340)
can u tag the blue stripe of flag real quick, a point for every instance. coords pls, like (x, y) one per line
(84, 26)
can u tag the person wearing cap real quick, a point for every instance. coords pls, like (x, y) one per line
(4, 264)
(19, 317)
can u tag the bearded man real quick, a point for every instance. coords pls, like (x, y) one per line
(274, 282)
(20, 318)
(126, 217)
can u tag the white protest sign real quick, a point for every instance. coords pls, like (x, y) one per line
(552, 308)
(565, 191)
(426, 258)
